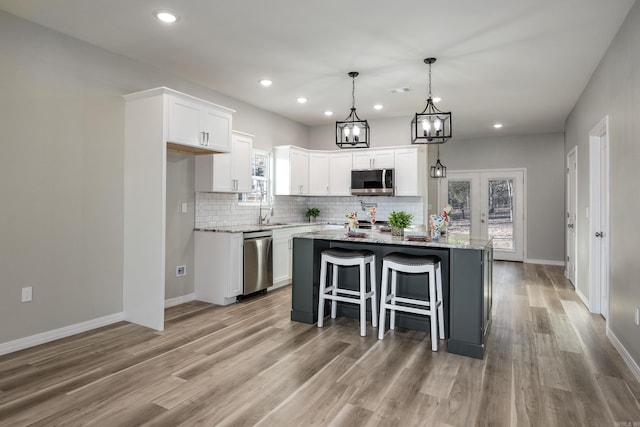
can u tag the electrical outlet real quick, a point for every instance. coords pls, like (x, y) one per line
(27, 294)
(637, 316)
(181, 270)
(184, 207)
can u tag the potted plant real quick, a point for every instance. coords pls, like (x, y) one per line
(398, 221)
(312, 213)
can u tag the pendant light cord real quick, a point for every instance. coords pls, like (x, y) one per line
(353, 92)
(429, 81)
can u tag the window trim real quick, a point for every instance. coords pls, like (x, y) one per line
(269, 179)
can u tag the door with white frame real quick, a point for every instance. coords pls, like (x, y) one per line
(572, 217)
(599, 218)
(488, 203)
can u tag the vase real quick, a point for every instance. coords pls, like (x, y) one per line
(397, 231)
(353, 224)
(435, 224)
(312, 219)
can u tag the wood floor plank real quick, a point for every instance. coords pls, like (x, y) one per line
(548, 362)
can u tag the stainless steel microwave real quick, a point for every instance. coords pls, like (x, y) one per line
(372, 182)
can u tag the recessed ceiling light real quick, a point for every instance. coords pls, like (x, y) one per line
(266, 82)
(166, 16)
(302, 100)
(497, 125)
(378, 107)
(399, 90)
(328, 113)
(437, 99)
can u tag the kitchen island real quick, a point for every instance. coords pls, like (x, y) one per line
(466, 280)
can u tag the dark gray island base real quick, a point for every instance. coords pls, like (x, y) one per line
(466, 281)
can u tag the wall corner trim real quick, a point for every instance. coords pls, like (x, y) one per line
(179, 300)
(632, 364)
(45, 337)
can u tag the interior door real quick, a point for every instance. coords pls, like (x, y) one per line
(599, 218)
(572, 194)
(488, 203)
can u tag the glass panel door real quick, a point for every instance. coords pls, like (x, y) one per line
(459, 197)
(488, 203)
(500, 212)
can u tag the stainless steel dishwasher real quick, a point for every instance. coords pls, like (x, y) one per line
(258, 261)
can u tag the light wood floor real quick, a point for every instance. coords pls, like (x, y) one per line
(548, 363)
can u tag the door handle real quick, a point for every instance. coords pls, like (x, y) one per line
(599, 234)
(482, 221)
(570, 225)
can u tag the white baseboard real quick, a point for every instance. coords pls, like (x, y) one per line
(544, 261)
(584, 299)
(279, 285)
(179, 300)
(632, 364)
(45, 337)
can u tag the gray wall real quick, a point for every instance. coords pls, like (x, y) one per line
(61, 174)
(614, 90)
(181, 169)
(543, 158)
(541, 155)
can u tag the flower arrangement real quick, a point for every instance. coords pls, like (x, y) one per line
(438, 223)
(372, 214)
(352, 218)
(446, 211)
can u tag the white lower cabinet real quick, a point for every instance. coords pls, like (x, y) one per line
(283, 252)
(218, 273)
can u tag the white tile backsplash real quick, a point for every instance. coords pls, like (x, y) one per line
(221, 209)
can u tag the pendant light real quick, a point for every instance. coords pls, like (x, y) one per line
(431, 126)
(352, 132)
(438, 170)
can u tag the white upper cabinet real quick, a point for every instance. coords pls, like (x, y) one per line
(199, 124)
(373, 159)
(328, 173)
(319, 173)
(410, 171)
(241, 162)
(227, 172)
(291, 171)
(340, 165)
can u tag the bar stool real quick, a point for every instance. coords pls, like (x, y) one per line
(341, 257)
(406, 263)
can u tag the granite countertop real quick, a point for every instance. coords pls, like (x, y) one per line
(255, 227)
(452, 241)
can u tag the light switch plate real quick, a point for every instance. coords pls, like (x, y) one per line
(637, 316)
(184, 207)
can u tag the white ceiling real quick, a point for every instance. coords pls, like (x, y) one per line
(520, 62)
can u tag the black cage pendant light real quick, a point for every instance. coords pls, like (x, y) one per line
(352, 132)
(431, 126)
(438, 170)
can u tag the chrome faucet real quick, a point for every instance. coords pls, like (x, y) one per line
(261, 219)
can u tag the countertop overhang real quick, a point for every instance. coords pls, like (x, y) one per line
(254, 227)
(451, 241)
